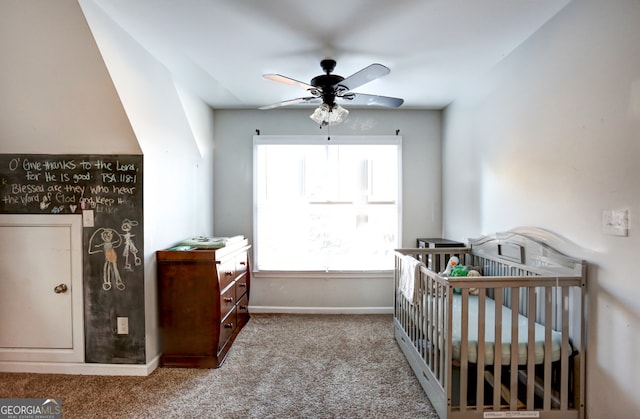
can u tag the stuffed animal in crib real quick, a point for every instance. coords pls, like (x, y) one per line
(473, 272)
(454, 269)
(459, 270)
(452, 263)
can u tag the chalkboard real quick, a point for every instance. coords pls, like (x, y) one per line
(106, 190)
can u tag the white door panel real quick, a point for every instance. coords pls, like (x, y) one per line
(33, 261)
(41, 288)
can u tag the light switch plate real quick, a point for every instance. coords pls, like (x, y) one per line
(87, 218)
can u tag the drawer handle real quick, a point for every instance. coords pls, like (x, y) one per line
(242, 285)
(228, 273)
(228, 326)
(228, 299)
(243, 263)
(243, 307)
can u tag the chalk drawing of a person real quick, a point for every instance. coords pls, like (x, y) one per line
(129, 246)
(109, 240)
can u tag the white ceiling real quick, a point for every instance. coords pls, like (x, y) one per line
(435, 48)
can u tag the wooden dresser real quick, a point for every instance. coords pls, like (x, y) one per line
(203, 297)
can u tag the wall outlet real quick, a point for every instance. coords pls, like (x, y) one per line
(615, 222)
(123, 325)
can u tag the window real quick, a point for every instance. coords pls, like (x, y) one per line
(326, 205)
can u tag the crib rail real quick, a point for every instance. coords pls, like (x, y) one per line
(469, 378)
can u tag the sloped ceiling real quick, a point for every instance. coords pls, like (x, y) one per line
(57, 95)
(435, 48)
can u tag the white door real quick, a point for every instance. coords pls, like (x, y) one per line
(41, 288)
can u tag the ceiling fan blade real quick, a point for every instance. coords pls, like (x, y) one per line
(310, 99)
(364, 99)
(363, 76)
(288, 80)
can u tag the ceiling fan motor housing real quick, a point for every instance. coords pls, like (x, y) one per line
(327, 82)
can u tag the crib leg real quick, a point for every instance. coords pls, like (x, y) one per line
(574, 384)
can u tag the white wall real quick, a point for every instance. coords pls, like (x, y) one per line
(551, 138)
(175, 132)
(233, 203)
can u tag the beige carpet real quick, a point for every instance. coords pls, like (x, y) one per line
(281, 366)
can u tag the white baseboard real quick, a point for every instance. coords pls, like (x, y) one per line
(320, 310)
(80, 368)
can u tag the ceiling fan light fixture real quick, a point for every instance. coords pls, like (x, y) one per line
(326, 115)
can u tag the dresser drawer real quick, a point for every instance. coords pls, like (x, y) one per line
(241, 286)
(241, 264)
(227, 300)
(243, 309)
(226, 273)
(227, 327)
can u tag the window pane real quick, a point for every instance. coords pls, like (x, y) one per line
(326, 207)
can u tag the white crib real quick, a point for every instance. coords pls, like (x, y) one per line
(516, 348)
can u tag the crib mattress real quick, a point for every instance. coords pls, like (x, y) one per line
(489, 347)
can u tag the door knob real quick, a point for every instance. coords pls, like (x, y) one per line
(60, 288)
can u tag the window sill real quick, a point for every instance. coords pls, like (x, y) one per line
(323, 274)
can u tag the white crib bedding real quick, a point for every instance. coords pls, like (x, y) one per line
(489, 346)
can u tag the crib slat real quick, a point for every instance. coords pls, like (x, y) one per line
(546, 403)
(447, 359)
(425, 319)
(564, 355)
(497, 351)
(436, 334)
(434, 337)
(430, 320)
(513, 384)
(435, 347)
(482, 299)
(531, 349)
(445, 313)
(423, 304)
(464, 348)
(434, 329)
(580, 382)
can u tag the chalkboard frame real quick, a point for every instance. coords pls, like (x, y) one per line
(107, 191)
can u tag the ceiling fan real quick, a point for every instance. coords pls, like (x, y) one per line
(328, 88)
